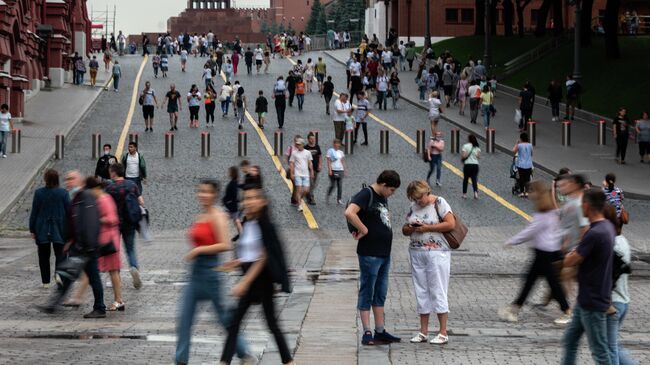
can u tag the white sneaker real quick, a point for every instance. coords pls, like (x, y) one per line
(509, 314)
(438, 183)
(249, 360)
(135, 274)
(300, 207)
(564, 319)
(4, 156)
(339, 202)
(439, 340)
(419, 338)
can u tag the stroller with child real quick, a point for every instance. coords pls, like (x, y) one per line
(514, 174)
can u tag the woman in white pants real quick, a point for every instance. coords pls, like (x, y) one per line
(430, 257)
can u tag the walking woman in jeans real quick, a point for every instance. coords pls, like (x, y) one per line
(336, 170)
(47, 222)
(209, 237)
(545, 236)
(6, 126)
(487, 98)
(470, 155)
(524, 162)
(434, 155)
(261, 258)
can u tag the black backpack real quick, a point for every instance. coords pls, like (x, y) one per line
(364, 186)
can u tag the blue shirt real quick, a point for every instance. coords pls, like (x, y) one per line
(595, 271)
(525, 156)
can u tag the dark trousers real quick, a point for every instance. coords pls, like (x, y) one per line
(301, 100)
(381, 99)
(339, 129)
(44, 252)
(249, 68)
(543, 266)
(280, 107)
(526, 115)
(336, 178)
(473, 109)
(260, 291)
(470, 171)
(364, 127)
(95, 281)
(209, 112)
(555, 108)
(524, 179)
(137, 181)
(292, 94)
(621, 145)
(328, 99)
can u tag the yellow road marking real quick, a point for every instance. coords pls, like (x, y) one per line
(489, 192)
(129, 116)
(306, 212)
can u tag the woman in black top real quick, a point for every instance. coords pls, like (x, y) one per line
(555, 97)
(621, 134)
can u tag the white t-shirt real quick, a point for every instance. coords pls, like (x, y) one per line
(338, 105)
(387, 56)
(428, 241)
(301, 160)
(259, 54)
(250, 245)
(382, 83)
(355, 69)
(620, 293)
(434, 107)
(207, 74)
(336, 158)
(194, 100)
(473, 91)
(132, 165)
(4, 121)
(402, 50)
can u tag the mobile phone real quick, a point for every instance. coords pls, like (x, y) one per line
(416, 224)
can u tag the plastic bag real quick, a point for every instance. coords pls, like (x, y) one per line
(517, 116)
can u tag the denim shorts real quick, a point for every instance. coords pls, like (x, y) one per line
(301, 181)
(373, 281)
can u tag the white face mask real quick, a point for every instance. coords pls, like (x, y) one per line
(107, 152)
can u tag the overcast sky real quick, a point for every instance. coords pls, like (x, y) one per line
(136, 16)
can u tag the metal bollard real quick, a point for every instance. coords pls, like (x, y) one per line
(96, 145)
(420, 141)
(133, 137)
(169, 145)
(278, 143)
(242, 149)
(455, 140)
(383, 141)
(566, 133)
(59, 141)
(489, 140)
(16, 136)
(348, 141)
(602, 133)
(205, 144)
(532, 133)
(316, 135)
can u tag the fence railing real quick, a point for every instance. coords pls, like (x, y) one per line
(534, 54)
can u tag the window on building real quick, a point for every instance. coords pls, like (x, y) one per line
(451, 16)
(467, 16)
(534, 13)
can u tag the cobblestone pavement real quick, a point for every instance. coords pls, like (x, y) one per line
(484, 275)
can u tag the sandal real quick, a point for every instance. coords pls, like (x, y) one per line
(117, 306)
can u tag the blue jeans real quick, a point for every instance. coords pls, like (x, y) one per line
(435, 164)
(128, 235)
(137, 181)
(301, 100)
(204, 283)
(224, 105)
(80, 78)
(485, 109)
(116, 82)
(3, 142)
(617, 353)
(594, 325)
(373, 281)
(423, 92)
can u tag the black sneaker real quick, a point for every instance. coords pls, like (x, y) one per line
(95, 314)
(47, 309)
(175, 128)
(386, 337)
(367, 339)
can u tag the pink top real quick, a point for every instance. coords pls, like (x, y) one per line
(436, 146)
(109, 231)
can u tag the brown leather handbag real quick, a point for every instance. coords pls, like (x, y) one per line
(456, 235)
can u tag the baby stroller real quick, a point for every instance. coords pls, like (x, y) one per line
(514, 174)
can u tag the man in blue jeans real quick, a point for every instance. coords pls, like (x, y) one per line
(369, 215)
(594, 254)
(119, 189)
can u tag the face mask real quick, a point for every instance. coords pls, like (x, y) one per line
(107, 152)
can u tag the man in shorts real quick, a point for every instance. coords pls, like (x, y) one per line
(173, 101)
(321, 72)
(259, 57)
(302, 170)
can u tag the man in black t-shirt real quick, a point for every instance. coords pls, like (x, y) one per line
(368, 213)
(291, 86)
(595, 255)
(327, 92)
(316, 155)
(174, 104)
(526, 106)
(248, 58)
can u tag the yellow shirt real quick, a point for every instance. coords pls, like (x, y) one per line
(486, 98)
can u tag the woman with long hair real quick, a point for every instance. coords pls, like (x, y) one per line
(210, 99)
(261, 258)
(470, 155)
(545, 237)
(194, 103)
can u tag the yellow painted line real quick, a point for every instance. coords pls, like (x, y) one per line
(489, 192)
(306, 212)
(129, 116)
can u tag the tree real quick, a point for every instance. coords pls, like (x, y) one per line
(322, 23)
(264, 27)
(520, 6)
(314, 18)
(508, 17)
(542, 17)
(612, 49)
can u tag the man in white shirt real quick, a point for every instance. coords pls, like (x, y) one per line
(121, 43)
(474, 100)
(387, 60)
(259, 57)
(210, 40)
(134, 166)
(342, 109)
(355, 79)
(402, 56)
(302, 170)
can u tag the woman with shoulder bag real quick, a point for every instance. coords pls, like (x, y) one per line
(430, 255)
(470, 155)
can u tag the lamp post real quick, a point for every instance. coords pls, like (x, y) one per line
(408, 20)
(427, 31)
(387, 3)
(577, 74)
(487, 55)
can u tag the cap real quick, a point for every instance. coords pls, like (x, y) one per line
(300, 141)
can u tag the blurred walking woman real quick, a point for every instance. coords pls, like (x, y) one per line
(47, 222)
(545, 237)
(430, 257)
(470, 155)
(262, 260)
(209, 237)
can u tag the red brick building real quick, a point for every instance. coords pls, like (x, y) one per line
(37, 38)
(457, 17)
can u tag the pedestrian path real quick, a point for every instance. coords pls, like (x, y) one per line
(583, 156)
(47, 114)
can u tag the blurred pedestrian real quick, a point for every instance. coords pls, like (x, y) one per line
(434, 156)
(48, 222)
(317, 162)
(621, 130)
(336, 170)
(643, 136)
(261, 109)
(614, 194)
(523, 151)
(6, 126)
(470, 154)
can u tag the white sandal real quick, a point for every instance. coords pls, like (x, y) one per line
(419, 338)
(439, 340)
